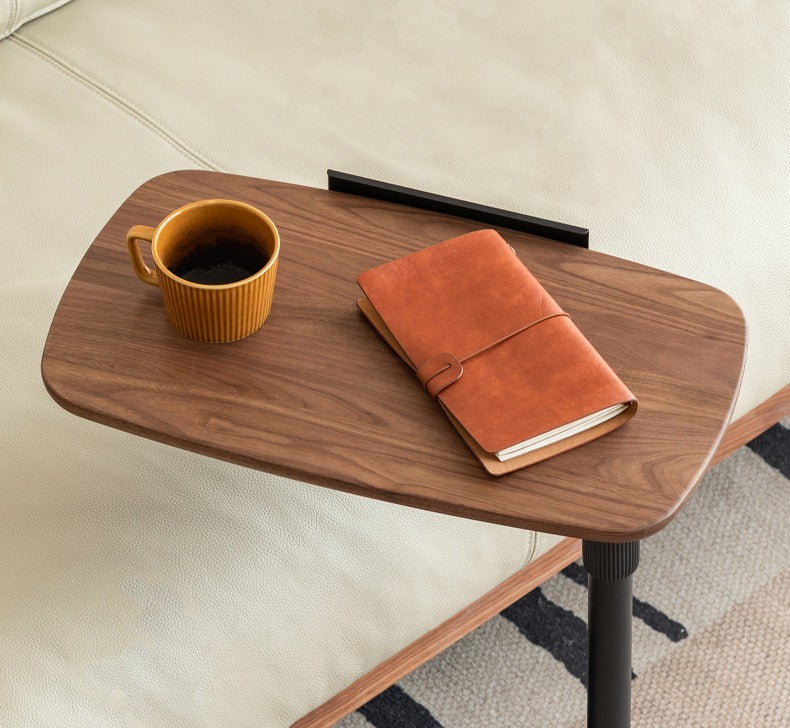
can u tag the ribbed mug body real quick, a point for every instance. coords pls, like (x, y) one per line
(211, 309)
(219, 314)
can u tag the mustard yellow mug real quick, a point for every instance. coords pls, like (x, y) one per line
(215, 262)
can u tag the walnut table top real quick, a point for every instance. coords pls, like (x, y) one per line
(318, 396)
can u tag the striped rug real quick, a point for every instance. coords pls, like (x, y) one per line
(711, 625)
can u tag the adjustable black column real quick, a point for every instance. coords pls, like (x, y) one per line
(610, 567)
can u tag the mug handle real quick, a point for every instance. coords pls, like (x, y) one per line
(135, 234)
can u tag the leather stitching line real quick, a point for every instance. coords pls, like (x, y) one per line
(115, 99)
(532, 548)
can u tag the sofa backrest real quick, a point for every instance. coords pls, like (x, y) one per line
(15, 13)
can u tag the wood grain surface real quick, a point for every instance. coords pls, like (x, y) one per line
(316, 395)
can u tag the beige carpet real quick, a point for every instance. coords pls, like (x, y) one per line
(734, 672)
(711, 625)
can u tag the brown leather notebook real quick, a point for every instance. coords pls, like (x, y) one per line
(514, 375)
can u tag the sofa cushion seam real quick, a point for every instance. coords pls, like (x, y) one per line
(10, 19)
(531, 547)
(114, 98)
(49, 8)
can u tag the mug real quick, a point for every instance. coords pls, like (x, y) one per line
(215, 263)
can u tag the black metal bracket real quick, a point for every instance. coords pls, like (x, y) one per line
(352, 184)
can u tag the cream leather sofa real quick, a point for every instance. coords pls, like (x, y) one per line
(142, 585)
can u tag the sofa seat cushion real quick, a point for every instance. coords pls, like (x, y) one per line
(142, 583)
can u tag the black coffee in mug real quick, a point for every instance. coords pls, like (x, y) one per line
(220, 257)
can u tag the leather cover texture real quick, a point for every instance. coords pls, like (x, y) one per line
(525, 368)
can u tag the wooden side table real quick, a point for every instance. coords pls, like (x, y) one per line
(317, 396)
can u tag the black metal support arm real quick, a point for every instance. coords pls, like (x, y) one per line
(610, 567)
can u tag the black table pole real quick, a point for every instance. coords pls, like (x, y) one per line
(610, 567)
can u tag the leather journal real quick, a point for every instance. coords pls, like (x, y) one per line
(513, 373)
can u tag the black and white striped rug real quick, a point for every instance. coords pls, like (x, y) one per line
(711, 625)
